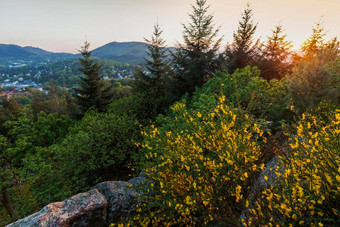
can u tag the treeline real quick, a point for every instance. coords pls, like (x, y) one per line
(209, 120)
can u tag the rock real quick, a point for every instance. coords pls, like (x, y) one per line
(122, 197)
(142, 178)
(106, 203)
(260, 185)
(84, 209)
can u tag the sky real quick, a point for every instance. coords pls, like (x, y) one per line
(63, 25)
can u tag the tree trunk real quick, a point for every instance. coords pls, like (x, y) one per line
(7, 202)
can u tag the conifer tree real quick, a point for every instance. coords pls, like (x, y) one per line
(156, 76)
(243, 51)
(152, 81)
(92, 90)
(276, 55)
(197, 59)
(315, 76)
(315, 42)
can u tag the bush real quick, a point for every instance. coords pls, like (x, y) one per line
(308, 190)
(315, 79)
(245, 89)
(100, 147)
(202, 161)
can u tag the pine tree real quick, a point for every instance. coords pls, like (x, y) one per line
(243, 51)
(92, 90)
(197, 59)
(276, 55)
(315, 76)
(156, 76)
(315, 42)
(153, 82)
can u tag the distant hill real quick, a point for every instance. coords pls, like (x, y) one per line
(12, 51)
(127, 52)
(36, 50)
(15, 51)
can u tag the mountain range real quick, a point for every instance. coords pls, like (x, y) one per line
(125, 52)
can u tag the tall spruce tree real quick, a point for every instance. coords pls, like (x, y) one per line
(92, 90)
(153, 81)
(243, 50)
(197, 59)
(276, 55)
(156, 75)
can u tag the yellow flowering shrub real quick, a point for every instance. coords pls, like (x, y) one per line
(308, 191)
(202, 161)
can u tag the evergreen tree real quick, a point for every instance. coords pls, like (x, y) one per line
(92, 90)
(243, 51)
(156, 76)
(197, 59)
(315, 42)
(315, 76)
(276, 55)
(153, 81)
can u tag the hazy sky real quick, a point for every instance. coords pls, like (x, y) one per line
(61, 25)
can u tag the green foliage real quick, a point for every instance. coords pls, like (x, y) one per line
(92, 90)
(156, 76)
(307, 190)
(9, 108)
(202, 159)
(197, 59)
(276, 54)
(24, 160)
(144, 107)
(243, 51)
(128, 52)
(101, 146)
(316, 76)
(245, 89)
(153, 82)
(56, 100)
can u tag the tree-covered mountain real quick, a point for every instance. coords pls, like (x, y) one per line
(11, 51)
(14, 51)
(127, 52)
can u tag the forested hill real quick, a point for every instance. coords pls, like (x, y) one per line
(124, 52)
(10, 51)
(127, 52)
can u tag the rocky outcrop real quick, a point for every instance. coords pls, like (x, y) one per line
(84, 209)
(120, 197)
(106, 203)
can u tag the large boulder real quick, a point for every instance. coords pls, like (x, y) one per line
(84, 209)
(106, 203)
(122, 197)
